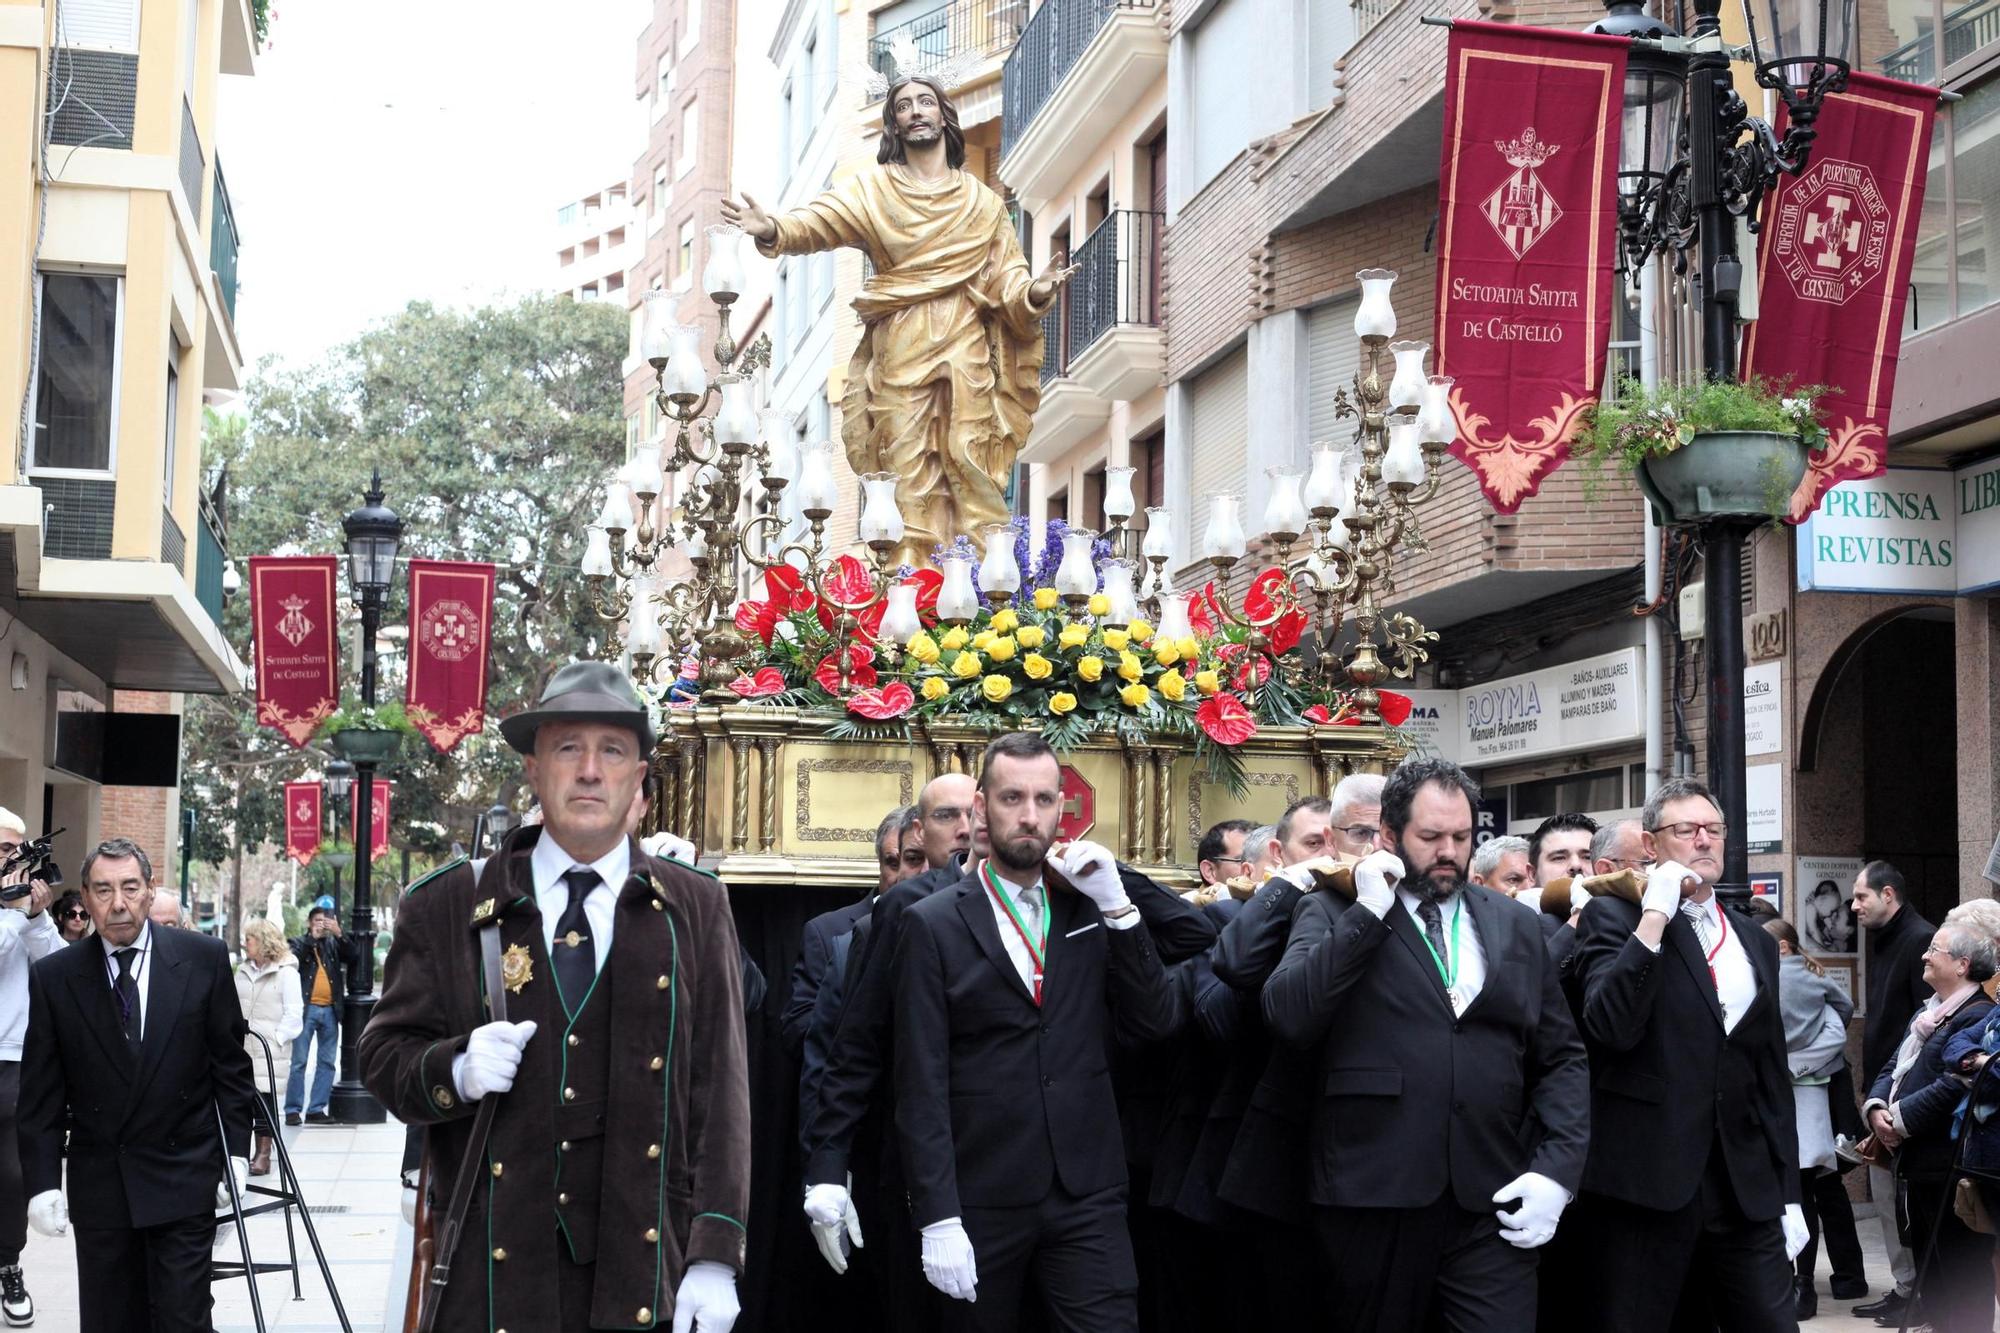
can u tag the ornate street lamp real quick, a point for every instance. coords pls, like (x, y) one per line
(374, 532)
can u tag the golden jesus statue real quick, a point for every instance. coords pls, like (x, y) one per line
(944, 384)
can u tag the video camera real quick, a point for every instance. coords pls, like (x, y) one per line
(40, 859)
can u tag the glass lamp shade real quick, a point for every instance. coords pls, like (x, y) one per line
(817, 491)
(643, 472)
(1796, 55)
(1159, 543)
(722, 275)
(1118, 502)
(1376, 318)
(1435, 422)
(616, 516)
(881, 520)
(1285, 511)
(1076, 576)
(684, 375)
(899, 617)
(1322, 489)
(696, 545)
(774, 431)
(1647, 140)
(1224, 539)
(958, 600)
(1174, 623)
(736, 419)
(1124, 607)
(373, 532)
(1403, 464)
(339, 779)
(642, 622)
(1406, 388)
(1336, 531)
(656, 338)
(596, 552)
(999, 571)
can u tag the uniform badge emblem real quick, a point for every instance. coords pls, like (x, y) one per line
(517, 968)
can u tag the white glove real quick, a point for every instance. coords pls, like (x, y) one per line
(835, 1224)
(48, 1214)
(1376, 876)
(1663, 888)
(410, 1205)
(239, 1167)
(1541, 1207)
(706, 1301)
(492, 1054)
(670, 847)
(1579, 898)
(1796, 1234)
(1089, 866)
(948, 1260)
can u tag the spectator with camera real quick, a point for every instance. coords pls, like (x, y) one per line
(324, 957)
(27, 932)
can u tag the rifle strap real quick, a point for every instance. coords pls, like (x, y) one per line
(473, 1167)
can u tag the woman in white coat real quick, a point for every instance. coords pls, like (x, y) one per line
(267, 986)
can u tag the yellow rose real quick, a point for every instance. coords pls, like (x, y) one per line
(936, 688)
(1074, 636)
(1173, 685)
(1090, 666)
(1100, 605)
(984, 639)
(1140, 631)
(1117, 640)
(1208, 682)
(966, 665)
(1129, 667)
(1036, 666)
(953, 640)
(1004, 620)
(1166, 653)
(1062, 702)
(1189, 648)
(1030, 636)
(1135, 696)
(1001, 648)
(996, 688)
(1045, 600)
(923, 648)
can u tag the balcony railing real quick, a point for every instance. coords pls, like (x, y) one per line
(1117, 278)
(1966, 29)
(1052, 343)
(222, 243)
(211, 557)
(1050, 46)
(1368, 13)
(191, 161)
(961, 28)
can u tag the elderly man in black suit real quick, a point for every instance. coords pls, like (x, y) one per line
(132, 1045)
(1690, 1215)
(1453, 1123)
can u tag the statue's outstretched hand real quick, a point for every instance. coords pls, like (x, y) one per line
(756, 223)
(1045, 287)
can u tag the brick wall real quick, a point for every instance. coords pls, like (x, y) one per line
(147, 815)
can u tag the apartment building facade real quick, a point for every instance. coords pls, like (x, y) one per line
(118, 271)
(596, 241)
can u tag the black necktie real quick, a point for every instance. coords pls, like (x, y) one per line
(1433, 919)
(575, 952)
(128, 996)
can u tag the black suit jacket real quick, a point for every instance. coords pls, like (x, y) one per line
(143, 1148)
(828, 1001)
(997, 1097)
(1929, 1095)
(809, 973)
(1666, 1082)
(1896, 987)
(336, 953)
(1415, 1101)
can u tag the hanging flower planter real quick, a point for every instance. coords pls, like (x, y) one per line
(1724, 474)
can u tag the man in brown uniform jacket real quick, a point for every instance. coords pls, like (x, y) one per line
(617, 1177)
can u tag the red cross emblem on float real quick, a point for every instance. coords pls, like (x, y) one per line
(1079, 806)
(1832, 231)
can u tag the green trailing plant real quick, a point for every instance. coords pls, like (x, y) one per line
(1637, 423)
(354, 715)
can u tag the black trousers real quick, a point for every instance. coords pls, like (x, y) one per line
(1829, 1211)
(1409, 1270)
(890, 1263)
(145, 1279)
(1955, 1284)
(13, 1194)
(1075, 1249)
(1705, 1267)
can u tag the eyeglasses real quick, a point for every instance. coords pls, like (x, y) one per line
(1718, 832)
(1359, 832)
(1930, 949)
(76, 914)
(947, 814)
(1646, 863)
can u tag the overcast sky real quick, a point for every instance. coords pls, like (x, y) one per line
(391, 150)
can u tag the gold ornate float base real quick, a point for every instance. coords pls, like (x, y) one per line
(769, 799)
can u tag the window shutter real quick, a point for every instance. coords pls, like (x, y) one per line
(1333, 355)
(99, 25)
(1219, 437)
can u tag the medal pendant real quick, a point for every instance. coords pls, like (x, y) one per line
(517, 967)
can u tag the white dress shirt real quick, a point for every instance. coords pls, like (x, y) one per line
(1010, 939)
(142, 968)
(1471, 976)
(547, 865)
(1735, 979)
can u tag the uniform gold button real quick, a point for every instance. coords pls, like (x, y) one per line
(645, 1314)
(565, 1145)
(499, 1254)
(652, 1236)
(659, 906)
(562, 1198)
(661, 984)
(657, 1064)
(569, 1094)
(496, 1169)
(653, 1152)
(442, 1097)
(575, 1040)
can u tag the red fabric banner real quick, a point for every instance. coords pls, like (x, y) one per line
(302, 821)
(1834, 256)
(1528, 208)
(295, 642)
(378, 830)
(451, 614)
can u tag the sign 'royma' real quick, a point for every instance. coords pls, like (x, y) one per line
(1577, 706)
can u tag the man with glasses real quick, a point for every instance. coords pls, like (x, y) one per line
(1219, 859)
(1691, 1192)
(1356, 813)
(26, 933)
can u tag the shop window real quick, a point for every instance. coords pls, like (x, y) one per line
(1598, 789)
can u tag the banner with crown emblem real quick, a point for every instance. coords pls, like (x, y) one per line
(302, 821)
(378, 827)
(451, 613)
(1528, 212)
(1833, 269)
(294, 641)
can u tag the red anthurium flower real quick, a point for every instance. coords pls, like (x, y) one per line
(892, 700)
(1317, 714)
(849, 581)
(1201, 610)
(1394, 707)
(1266, 594)
(758, 618)
(860, 669)
(1284, 633)
(1253, 670)
(767, 681)
(1226, 720)
(786, 589)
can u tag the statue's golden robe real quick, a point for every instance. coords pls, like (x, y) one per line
(944, 384)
